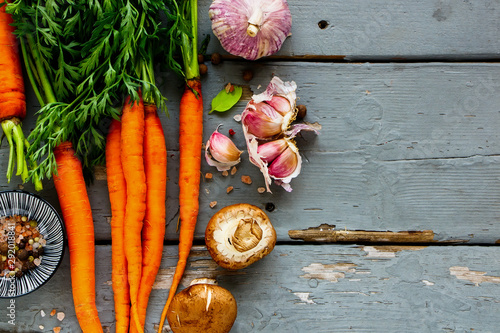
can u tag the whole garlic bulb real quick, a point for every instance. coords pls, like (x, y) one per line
(251, 28)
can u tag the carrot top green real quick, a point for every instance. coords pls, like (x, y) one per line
(82, 58)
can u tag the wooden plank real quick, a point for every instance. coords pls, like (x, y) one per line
(404, 147)
(313, 288)
(380, 29)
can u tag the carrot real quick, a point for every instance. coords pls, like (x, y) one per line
(153, 232)
(132, 156)
(190, 142)
(117, 189)
(12, 98)
(77, 215)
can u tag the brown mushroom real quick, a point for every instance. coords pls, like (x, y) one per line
(202, 307)
(239, 235)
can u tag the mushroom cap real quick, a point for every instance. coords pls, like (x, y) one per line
(202, 307)
(239, 235)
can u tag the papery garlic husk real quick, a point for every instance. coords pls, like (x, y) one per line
(221, 152)
(251, 28)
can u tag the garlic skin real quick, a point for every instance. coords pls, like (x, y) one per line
(221, 152)
(269, 133)
(251, 28)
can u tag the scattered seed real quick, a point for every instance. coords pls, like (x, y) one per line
(225, 173)
(216, 58)
(261, 190)
(231, 132)
(42, 313)
(203, 69)
(229, 189)
(41, 327)
(213, 204)
(246, 180)
(233, 171)
(247, 75)
(60, 316)
(53, 312)
(57, 329)
(208, 175)
(201, 58)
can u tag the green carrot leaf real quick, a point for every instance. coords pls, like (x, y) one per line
(225, 100)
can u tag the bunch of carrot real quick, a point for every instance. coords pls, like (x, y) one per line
(136, 167)
(79, 77)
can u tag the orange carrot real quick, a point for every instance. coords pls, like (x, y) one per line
(132, 156)
(12, 99)
(153, 232)
(190, 142)
(77, 215)
(117, 189)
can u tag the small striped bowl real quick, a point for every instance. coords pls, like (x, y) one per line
(51, 226)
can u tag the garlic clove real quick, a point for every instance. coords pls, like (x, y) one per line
(285, 164)
(221, 152)
(280, 104)
(251, 28)
(270, 150)
(262, 121)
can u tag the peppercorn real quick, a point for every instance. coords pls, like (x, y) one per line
(19, 273)
(22, 244)
(247, 75)
(22, 254)
(40, 250)
(270, 206)
(216, 59)
(203, 69)
(201, 58)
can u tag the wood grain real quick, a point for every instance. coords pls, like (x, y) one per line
(314, 288)
(387, 30)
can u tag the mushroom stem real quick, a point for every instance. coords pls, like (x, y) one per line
(247, 235)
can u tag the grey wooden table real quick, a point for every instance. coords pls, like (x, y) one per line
(407, 169)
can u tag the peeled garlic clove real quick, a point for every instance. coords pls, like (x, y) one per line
(221, 152)
(251, 28)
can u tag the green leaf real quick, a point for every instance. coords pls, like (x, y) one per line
(225, 101)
